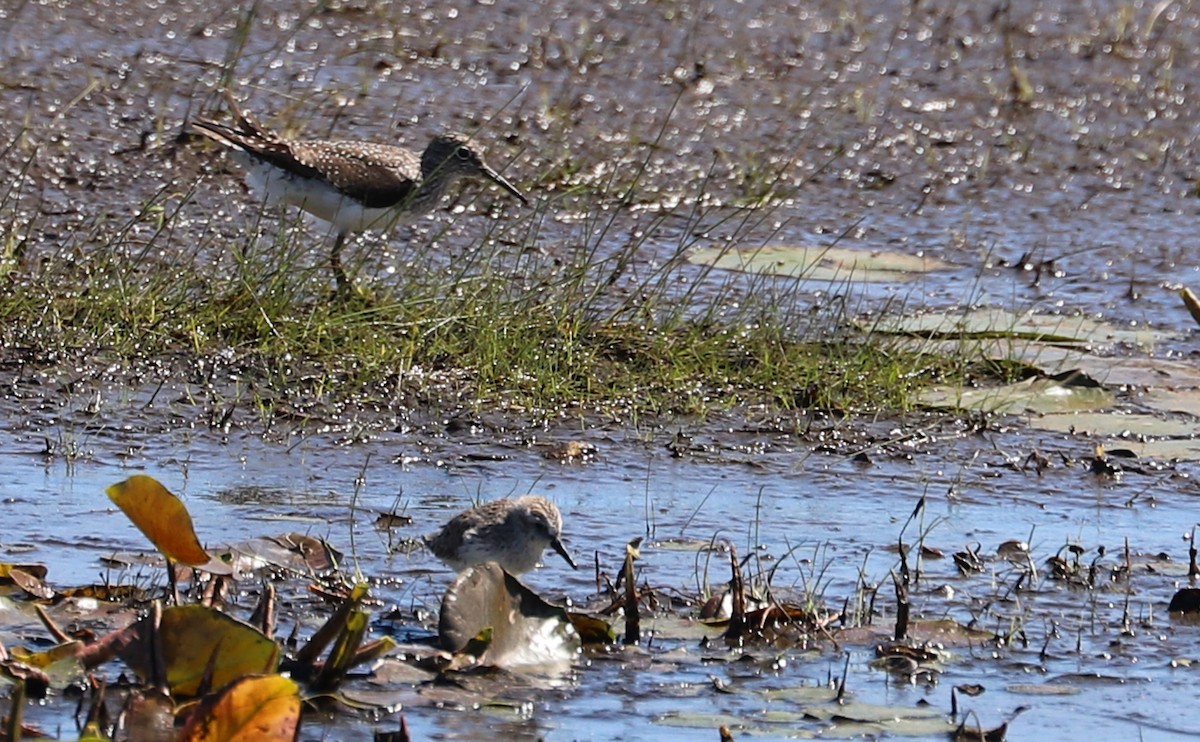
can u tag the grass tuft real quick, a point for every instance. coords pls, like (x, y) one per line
(607, 329)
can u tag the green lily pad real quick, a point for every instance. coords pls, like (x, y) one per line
(1186, 401)
(1143, 371)
(1170, 449)
(1087, 332)
(1037, 395)
(819, 263)
(1116, 424)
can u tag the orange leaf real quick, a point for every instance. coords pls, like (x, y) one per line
(161, 516)
(254, 709)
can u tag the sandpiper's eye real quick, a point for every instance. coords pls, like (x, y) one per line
(463, 153)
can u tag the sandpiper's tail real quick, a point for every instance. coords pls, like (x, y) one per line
(255, 143)
(247, 136)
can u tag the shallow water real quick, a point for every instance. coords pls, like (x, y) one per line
(840, 515)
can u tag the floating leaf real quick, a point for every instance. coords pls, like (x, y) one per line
(592, 630)
(191, 635)
(1116, 424)
(819, 263)
(526, 630)
(1186, 401)
(257, 709)
(1037, 395)
(161, 516)
(37, 571)
(297, 552)
(60, 663)
(1054, 359)
(990, 323)
(28, 577)
(1171, 449)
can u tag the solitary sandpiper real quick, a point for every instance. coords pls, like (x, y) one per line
(352, 185)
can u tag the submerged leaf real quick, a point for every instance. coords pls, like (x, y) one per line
(161, 516)
(150, 717)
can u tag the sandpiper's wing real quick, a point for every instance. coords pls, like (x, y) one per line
(377, 175)
(459, 529)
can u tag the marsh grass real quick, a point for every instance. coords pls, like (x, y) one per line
(599, 328)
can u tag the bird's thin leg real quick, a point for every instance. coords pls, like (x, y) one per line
(335, 262)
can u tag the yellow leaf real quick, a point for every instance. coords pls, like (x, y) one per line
(256, 709)
(161, 516)
(60, 662)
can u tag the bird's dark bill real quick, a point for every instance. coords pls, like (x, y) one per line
(562, 551)
(500, 181)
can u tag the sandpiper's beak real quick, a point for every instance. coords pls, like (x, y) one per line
(562, 552)
(499, 180)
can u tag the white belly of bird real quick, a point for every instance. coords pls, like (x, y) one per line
(278, 187)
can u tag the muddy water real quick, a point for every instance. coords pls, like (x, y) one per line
(884, 125)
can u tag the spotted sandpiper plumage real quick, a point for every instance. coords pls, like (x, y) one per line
(353, 185)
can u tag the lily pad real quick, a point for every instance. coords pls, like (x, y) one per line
(1186, 401)
(1116, 424)
(1038, 395)
(985, 323)
(819, 263)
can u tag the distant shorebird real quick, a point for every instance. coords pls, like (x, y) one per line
(512, 533)
(350, 184)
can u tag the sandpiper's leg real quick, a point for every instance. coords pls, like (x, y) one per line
(335, 262)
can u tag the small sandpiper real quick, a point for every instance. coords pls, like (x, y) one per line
(352, 185)
(512, 533)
